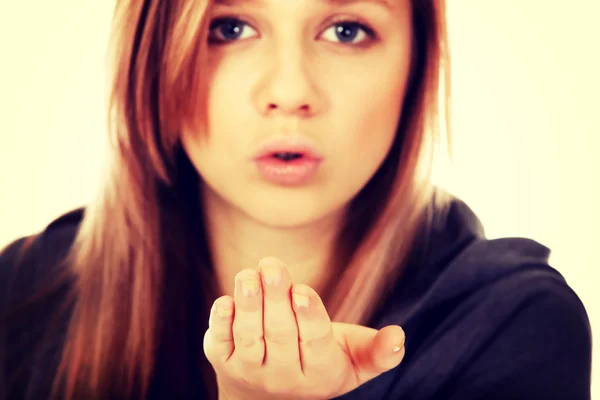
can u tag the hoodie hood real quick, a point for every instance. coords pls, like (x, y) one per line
(453, 258)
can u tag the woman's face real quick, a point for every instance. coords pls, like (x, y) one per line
(303, 103)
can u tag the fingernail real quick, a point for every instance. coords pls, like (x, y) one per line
(224, 311)
(399, 345)
(250, 287)
(271, 275)
(300, 300)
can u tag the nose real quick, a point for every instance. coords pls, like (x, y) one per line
(288, 86)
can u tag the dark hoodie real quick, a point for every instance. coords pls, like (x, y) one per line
(484, 319)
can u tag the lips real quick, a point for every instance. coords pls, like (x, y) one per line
(288, 149)
(289, 161)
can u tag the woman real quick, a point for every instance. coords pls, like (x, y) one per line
(246, 134)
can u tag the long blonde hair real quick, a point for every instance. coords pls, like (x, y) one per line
(123, 261)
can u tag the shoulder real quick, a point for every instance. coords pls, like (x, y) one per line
(453, 258)
(489, 282)
(512, 279)
(488, 319)
(527, 325)
(60, 230)
(34, 283)
(511, 274)
(495, 277)
(29, 262)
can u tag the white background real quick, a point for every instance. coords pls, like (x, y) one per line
(525, 120)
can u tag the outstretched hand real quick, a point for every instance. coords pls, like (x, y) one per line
(275, 340)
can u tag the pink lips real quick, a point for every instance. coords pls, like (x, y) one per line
(288, 161)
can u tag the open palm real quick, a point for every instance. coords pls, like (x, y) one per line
(275, 340)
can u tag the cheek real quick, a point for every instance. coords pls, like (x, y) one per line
(227, 107)
(229, 117)
(369, 114)
(230, 85)
(221, 154)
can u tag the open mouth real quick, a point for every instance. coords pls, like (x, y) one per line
(288, 165)
(287, 156)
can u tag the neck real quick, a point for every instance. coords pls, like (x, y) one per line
(238, 242)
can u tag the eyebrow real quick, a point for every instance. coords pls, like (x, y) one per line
(385, 3)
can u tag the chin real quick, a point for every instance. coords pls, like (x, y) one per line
(288, 214)
(279, 207)
(289, 208)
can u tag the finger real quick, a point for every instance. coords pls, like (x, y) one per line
(375, 351)
(315, 329)
(218, 339)
(248, 322)
(279, 321)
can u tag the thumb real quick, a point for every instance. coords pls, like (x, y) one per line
(373, 351)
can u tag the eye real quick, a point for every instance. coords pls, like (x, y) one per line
(223, 30)
(229, 29)
(349, 32)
